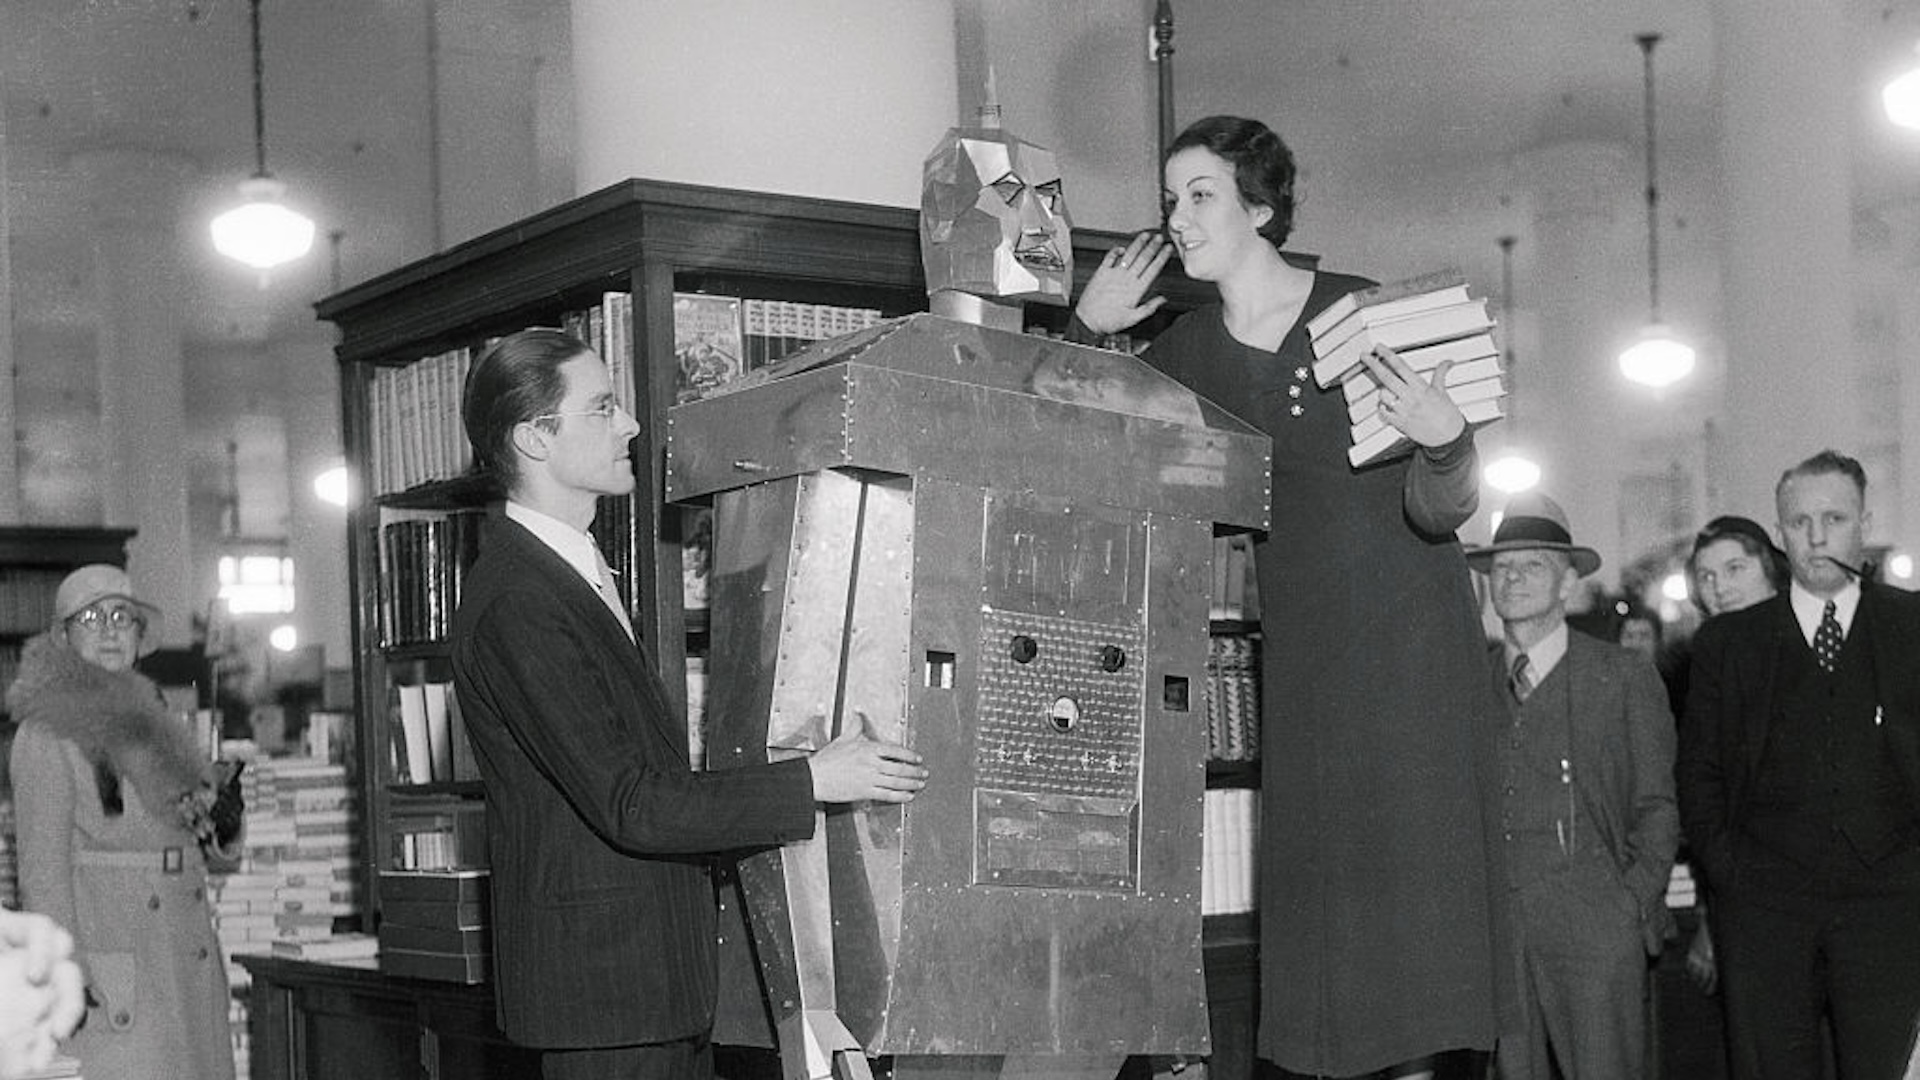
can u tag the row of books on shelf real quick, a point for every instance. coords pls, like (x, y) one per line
(424, 562)
(26, 600)
(1236, 593)
(1233, 697)
(1229, 848)
(1428, 321)
(430, 743)
(718, 338)
(413, 410)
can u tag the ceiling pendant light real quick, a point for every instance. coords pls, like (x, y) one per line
(262, 232)
(1657, 358)
(1513, 471)
(1901, 96)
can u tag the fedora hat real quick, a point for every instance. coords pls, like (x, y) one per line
(1534, 522)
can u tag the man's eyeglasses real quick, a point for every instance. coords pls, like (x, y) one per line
(97, 620)
(606, 411)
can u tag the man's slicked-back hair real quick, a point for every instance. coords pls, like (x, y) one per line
(1827, 462)
(515, 379)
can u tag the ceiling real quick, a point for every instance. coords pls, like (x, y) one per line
(1386, 101)
(1388, 82)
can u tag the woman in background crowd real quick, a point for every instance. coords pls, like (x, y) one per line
(1734, 565)
(116, 807)
(1379, 936)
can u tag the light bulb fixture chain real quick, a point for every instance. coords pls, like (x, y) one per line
(1647, 42)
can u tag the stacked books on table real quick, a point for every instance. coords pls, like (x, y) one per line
(1427, 321)
(433, 924)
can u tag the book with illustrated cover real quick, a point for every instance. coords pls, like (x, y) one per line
(707, 346)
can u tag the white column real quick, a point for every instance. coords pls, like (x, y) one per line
(834, 99)
(316, 530)
(135, 200)
(1897, 503)
(488, 104)
(1587, 285)
(1787, 259)
(9, 442)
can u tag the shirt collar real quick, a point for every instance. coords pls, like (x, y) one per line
(566, 541)
(1807, 608)
(1544, 656)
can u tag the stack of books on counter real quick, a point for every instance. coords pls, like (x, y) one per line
(1427, 321)
(433, 924)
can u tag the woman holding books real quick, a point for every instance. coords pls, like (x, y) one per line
(1379, 929)
(116, 809)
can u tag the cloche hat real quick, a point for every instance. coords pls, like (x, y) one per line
(1532, 521)
(91, 584)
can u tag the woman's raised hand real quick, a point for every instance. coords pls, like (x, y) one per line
(1116, 296)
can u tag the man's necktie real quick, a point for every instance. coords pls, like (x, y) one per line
(1827, 639)
(1520, 679)
(610, 595)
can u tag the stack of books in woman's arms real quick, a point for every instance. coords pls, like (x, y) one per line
(1426, 320)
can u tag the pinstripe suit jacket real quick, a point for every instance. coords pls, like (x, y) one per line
(603, 911)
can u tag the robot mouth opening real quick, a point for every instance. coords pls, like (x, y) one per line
(1042, 258)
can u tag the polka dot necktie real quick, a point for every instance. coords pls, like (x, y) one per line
(1521, 679)
(1826, 640)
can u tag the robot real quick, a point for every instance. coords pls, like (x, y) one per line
(995, 548)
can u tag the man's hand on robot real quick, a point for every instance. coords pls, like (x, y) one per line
(855, 768)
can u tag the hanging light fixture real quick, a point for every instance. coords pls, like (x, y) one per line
(1901, 96)
(261, 232)
(1657, 358)
(1513, 471)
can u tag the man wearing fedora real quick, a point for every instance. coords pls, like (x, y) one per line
(1585, 813)
(1800, 784)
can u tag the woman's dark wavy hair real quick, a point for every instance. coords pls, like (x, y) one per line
(515, 378)
(1263, 167)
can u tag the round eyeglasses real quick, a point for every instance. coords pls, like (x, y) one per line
(606, 411)
(96, 620)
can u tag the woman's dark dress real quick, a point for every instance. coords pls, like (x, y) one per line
(1377, 921)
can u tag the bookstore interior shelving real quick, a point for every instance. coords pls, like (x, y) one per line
(612, 266)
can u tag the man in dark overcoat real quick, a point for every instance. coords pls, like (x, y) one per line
(1800, 793)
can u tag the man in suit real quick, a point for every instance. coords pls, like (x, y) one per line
(1585, 808)
(603, 912)
(1800, 792)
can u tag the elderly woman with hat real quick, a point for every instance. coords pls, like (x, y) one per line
(117, 809)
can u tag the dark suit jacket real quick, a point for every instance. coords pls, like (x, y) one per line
(1622, 755)
(603, 912)
(1730, 701)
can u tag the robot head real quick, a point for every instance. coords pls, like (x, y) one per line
(993, 217)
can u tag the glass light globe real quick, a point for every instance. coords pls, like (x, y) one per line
(1511, 473)
(1674, 587)
(1900, 566)
(262, 232)
(1902, 99)
(331, 485)
(1658, 358)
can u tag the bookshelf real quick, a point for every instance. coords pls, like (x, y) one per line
(649, 241)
